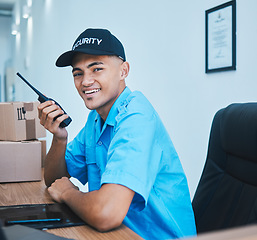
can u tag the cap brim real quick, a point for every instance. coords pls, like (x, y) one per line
(66, 58)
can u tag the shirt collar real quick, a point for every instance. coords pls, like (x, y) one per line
(114, 109)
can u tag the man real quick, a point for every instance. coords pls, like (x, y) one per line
(123, 152)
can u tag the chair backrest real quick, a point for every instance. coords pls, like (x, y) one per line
(226, 195)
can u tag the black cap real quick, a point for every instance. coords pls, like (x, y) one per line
(94, 42)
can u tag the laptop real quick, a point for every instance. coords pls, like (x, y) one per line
(20, 232)
(40, 216)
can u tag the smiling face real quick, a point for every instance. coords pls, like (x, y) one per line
(99, 80)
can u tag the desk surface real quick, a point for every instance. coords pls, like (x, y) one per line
(240, 233)
(36, 193)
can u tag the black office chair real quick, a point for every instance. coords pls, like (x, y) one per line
(226, 195)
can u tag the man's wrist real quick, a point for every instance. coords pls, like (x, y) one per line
(67, 194)
(62, 140)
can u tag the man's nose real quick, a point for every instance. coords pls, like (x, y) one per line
(88, 80)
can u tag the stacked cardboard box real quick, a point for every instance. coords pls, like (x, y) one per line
(21, 153)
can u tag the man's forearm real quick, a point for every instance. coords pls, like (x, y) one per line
(91, 210)
(104, 209)
(55, 165)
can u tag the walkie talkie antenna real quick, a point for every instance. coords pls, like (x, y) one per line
(42, 98)
(38, 92)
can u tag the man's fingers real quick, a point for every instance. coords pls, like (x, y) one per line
(48, 114)
(43, 105)
(59, 119)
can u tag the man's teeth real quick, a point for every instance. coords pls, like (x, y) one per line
(92, 91)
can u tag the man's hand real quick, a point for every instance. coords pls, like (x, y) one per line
(59, 187)
(48, 113)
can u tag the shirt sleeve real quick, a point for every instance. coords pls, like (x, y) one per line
(134, 156)
(75, 158)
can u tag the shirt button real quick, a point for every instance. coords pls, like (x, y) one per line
(100, 143)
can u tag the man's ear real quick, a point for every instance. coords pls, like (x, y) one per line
(124, 70)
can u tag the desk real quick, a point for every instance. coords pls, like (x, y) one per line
(240, 233)
(36, 193)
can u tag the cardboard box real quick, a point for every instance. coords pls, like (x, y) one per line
(19, 121)
(43, 152)
(20, 161)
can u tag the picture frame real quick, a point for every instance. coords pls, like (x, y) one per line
(220, 38)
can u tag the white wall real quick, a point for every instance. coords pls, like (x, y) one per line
(165, 45)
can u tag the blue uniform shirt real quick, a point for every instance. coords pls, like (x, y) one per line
(132, 148)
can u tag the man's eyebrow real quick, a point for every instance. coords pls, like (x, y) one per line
(88, 66)
(94, 63)
(76, 69)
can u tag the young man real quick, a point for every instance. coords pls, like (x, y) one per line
(123, 152)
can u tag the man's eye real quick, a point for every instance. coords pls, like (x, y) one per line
(97, 69)
(77, 74)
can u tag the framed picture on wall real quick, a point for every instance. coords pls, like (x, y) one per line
(220, 38)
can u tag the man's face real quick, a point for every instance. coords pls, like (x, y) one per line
(99, 80)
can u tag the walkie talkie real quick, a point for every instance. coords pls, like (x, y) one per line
(42, 98)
